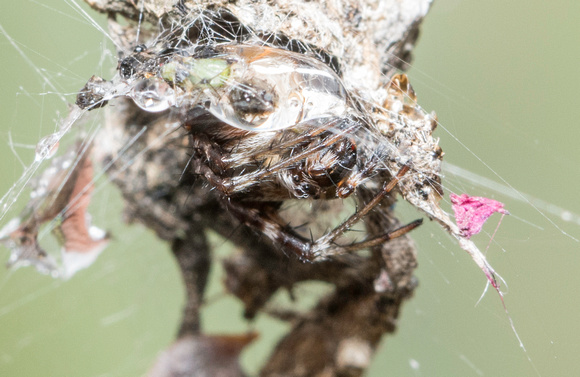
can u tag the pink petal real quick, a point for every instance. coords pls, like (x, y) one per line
(471, 212)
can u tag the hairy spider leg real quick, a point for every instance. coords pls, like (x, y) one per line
(358, 215)
(300, 139)
(325, 242)
(244, 181)
(263, 217)
(232, 185)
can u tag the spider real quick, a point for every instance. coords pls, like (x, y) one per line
(271, 121)
(268, 125)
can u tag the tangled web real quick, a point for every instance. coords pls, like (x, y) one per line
(255, 117)
(263, 83)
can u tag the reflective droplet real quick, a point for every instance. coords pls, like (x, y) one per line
(153, 95)
(92, 95)
(270, 89)
(46, 147)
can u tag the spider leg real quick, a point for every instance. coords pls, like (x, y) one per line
(244, 180)
(358, 215)
(208, 160)
(263, 217)
(323, 246)
(208, 151)
(401, 231)
(303, 138)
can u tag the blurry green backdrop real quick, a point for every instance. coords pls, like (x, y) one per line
(503, 78)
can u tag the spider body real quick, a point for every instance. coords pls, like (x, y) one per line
(268, 125)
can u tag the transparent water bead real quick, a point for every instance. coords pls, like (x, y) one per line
(271, 89)
(93, 94)
(46, 147)
(152, 95)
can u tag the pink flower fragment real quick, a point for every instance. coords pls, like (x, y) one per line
(471, 212)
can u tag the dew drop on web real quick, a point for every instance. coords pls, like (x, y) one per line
(153, 95)
(296, 88)
(46, 147)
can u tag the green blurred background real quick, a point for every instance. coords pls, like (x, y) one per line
(503, 78)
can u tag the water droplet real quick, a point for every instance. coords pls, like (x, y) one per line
(46, 147)
(153, 95)
(277, 90)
